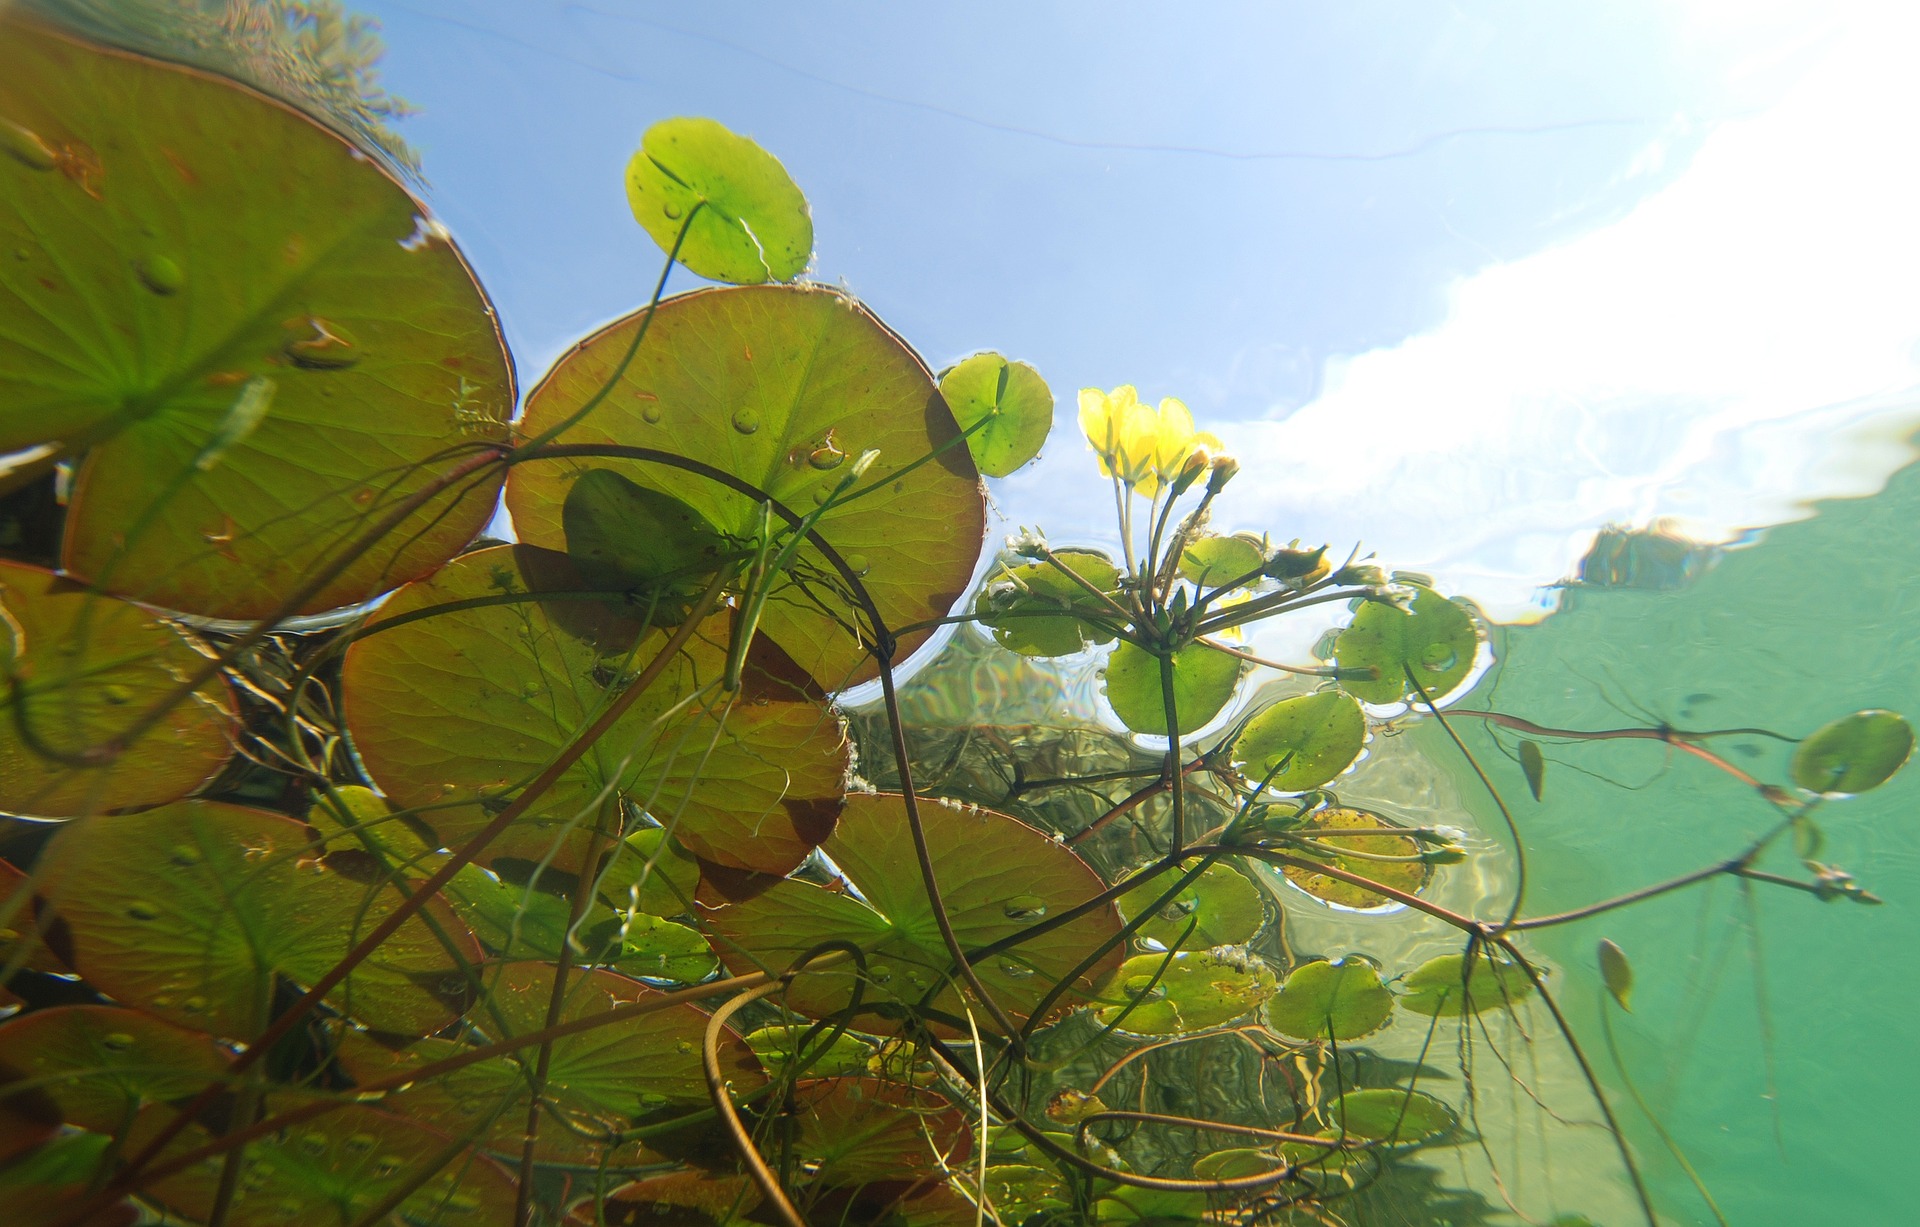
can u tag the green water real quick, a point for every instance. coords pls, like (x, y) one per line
(1817, 620)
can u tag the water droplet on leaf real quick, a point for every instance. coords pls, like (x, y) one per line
(746, 421)
(1025, 907)
(27, 146)
(315, 344)
(1438, 657)
(116, 1041)
(1018, 971)
(651, 413)
(160, 274)
(140, 909)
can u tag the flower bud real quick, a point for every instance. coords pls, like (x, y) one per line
(1224, 467)
(1363, 575)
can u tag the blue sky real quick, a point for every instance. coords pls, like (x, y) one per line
(1463, 281)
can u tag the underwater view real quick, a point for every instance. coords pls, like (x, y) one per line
(1022, 614)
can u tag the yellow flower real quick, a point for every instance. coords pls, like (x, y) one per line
(1142, 446)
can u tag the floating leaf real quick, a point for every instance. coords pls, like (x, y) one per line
(1020, 602)
(1203, 681)
(1441, 986)
(997, 877)
(650, 873)
(81, 668)
(1616, 972)
(1435, 639)
(775, 1045)
(1316, 735)
(1212, 562)
(860, 1130)
(753, 225)
(334, 1170)
(1324, 828)
(452, 713)
(626, 538)
(1392, 1115)
(99, 1065)
(662, 950)
(682, 1199)
(1126, 1206)
(1235, 1163)
(1342, 1000)
(1534, 764)
(193, 240)
(43, 1188)
(1223, 907)
(1018, 1192)
(1189, 991)
(644, 1068)
(784, 389)
(1013, 401)
(192, 910)
(1854, 753)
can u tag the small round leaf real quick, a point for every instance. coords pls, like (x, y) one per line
(1342, 1000)
(1442, 986)
(1203, 681)
(1392, 1115)
(1036, 610)
(1316, 736)
(1213, 561)
(1854, 753)
(1013, 402)
(1189, 991)
(1223, 907)
(752, 225)
(1325, 827)
(1435, 639)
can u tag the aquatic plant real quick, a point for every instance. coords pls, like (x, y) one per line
(545, 889)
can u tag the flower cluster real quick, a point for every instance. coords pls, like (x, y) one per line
(1144, 447)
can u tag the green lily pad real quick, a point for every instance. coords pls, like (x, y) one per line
(43, 1187)
(1342, 1000)
(1014, 401)
(662, 950)
(452, 713)
(784, 388)
(1316, 735)
(1193, 991)
(1435, 638)
(1017, 1192)
(190, 911)
(1392, 1115)
(1854, 753)
(80, 668)
(847, 1054)
(1213, 561)
(861, 1130)
(682, 1199)
(1235, 1163)
(651, 873)
(1324, 828)
(334, 1170)
(753, 225)
(1035, 610)
(99, 1065)
(1203, 681)
(1616, 972)
(626, 538)
(997, 876)
(1222, 905)
(1441, 986)
(248, 325)
(645, 1068)
(1126, 1206)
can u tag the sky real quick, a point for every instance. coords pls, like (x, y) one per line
(1461, 283)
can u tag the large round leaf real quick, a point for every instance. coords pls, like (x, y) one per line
(599, 1081)
(1325, 827)
(101, 1064)
(454, 711)
(784, 388)
(997, 876)
(752, 225)
(861, 1130)
(266, 344)
(1305, 741)
(1203, 681)
(1433, 639)
(1853, 753)
(191, 911)
(1446, 988)
(79, 669)
(1342, 1000)
(334, 1170)
(1039, 609)
(1391, 1115)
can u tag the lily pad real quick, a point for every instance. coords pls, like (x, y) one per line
(626, 538)
(1235, 1163)
(80, 668)
(334, 1170)
(1392, 1115)
(857, 1131)
(1442, 986)
(453, 713)
(1342, 1000)
(1212, 562)
(662, 950)
(775, 1045)
(191, 911)
(1316, 736)
(784, 388)
(1222, 905)
(1324, 828)
(680, 1199)
(1854, 753)
(997, 876)
(1203, 681)
(753, 225)
(1191, 991)
(100, 1064)
(641, 1069)
(1036, 610)
(1013, 401)
(1435, 638)
(250, 327)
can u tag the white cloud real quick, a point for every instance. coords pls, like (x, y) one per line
(1745, 340)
